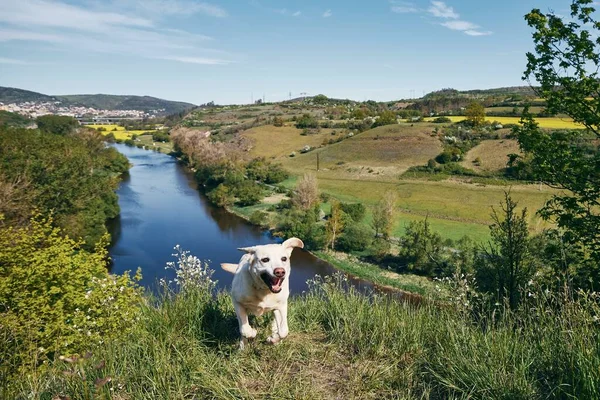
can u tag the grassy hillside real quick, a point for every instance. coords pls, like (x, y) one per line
(13, 95)
(342, 345)
(383, 151)
(279, 142)
(113, 102)
(546, 123)
(491, 154)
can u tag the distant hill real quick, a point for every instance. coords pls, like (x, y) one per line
(115, 102)
(13, 95)
(100, 101)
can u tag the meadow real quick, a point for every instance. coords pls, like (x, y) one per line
(363, 167)
(342, 344)
(144, 137)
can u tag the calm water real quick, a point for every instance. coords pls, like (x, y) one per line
(161, 207)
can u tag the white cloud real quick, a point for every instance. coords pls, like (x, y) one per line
(296, 14)
(403, 7)
(75, 28)
(327, 14)
(439, 9)
(458, 25)
(477, 33)
(196, 60)
(166, 7)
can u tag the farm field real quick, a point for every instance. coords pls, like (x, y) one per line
(120, 133)
(547, 123)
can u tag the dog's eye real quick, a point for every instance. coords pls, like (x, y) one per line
(265, 260)
(284, 259)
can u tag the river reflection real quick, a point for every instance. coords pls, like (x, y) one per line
(161, 207)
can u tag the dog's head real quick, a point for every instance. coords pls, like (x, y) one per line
(271, 262)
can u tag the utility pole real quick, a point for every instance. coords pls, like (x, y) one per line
(317, 161)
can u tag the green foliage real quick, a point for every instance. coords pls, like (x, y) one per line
(355, 237)
(564, 159)
(55, 297)
(13, 119)
(442, 120)
(259, 169)
(73, 178)
(307, 121)
(320, 99)
(221, 196)
(386, 118)
(475, 113)
(505, 266)
(57, 124)
(356, 211)
(277, 121)
(295, 222)
(160, 137)
(422, 249)
(248, 193)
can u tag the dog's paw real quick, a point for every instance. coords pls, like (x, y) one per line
(248, 332)
(273, 339)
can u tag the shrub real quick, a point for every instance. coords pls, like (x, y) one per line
(221, 196)
(248, 193)
(160, 137)
(442, 120)
(356, 237)
(356, 211)
(307, 121)
(55, 297)
(57, 124)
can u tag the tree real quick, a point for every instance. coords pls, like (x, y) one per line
(504, 265)
(320, 99)
(306, 195)
(565, 64)
(356, 237)
(475, 113)
(386, 118)
(334, 224)
(57, 124)
(422, 248)
(383, 215)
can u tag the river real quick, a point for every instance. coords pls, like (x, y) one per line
(161, 207)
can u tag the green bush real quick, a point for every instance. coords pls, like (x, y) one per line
(56, 298)
(57, 124)
(221, 196)
(248, 193)
(356, 211)
(355, 237)
(259, 218)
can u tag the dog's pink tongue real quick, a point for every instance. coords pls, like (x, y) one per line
(276, 283)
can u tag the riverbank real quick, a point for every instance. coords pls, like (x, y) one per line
(385, 279)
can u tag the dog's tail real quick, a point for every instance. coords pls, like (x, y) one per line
(232, 268)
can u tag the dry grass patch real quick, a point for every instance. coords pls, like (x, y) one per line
(383, 151)
(278, 142)
(492, 153)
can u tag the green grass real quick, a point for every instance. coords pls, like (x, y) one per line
(409, 283)
(342, 345)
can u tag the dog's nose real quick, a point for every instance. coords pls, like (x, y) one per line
(279, 272)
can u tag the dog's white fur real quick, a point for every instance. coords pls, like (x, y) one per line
(252, 295)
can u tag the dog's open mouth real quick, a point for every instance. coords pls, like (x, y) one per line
(274, 283)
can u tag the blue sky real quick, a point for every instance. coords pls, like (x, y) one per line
(232, 51)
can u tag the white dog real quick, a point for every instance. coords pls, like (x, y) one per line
(261, 283)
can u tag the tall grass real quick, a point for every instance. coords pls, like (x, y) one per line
(343, 344)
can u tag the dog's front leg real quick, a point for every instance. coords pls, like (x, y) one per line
(274, 338)
(283, 325)
(246, 331)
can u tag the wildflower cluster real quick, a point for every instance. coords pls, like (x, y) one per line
(190, 271)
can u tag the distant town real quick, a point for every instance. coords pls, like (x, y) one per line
(34, 109)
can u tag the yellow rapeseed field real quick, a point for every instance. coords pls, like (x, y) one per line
(547, 123)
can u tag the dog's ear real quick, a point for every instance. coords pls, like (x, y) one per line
(249, 250)
(232, 268)
(291, 243)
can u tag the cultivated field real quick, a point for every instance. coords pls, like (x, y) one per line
(546, 123)
(279, 142)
